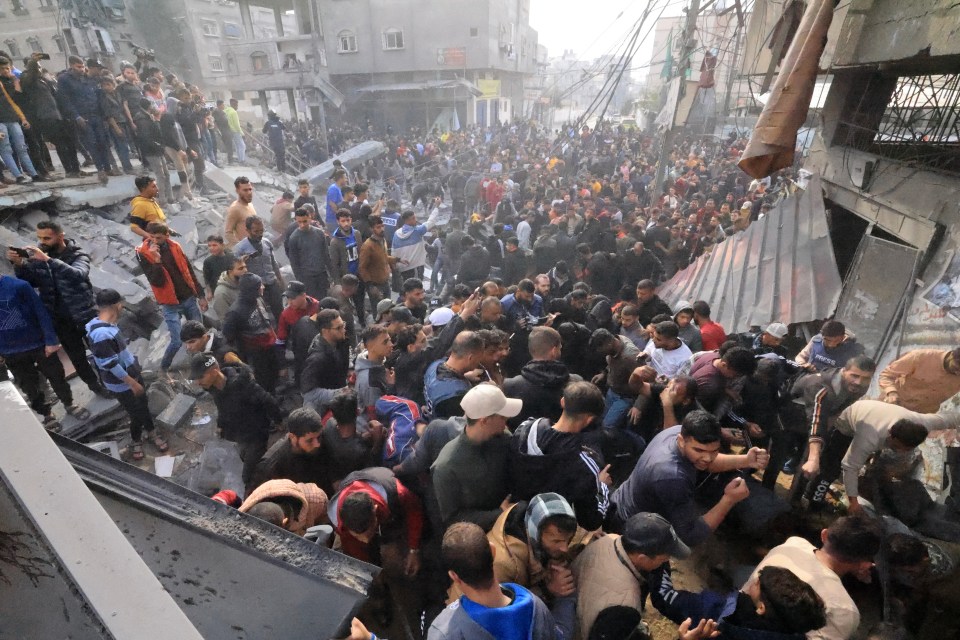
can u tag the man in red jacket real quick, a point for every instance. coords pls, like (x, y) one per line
(372, 510)
(174, 283)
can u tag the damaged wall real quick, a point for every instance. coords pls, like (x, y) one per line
(877, 31)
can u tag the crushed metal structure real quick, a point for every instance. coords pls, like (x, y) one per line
(781, 269)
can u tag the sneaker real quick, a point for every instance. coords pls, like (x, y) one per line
(23, 180)
(42, 179)
(103, 177)
(790, 467)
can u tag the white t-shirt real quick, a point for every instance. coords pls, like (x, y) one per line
(796, 554)
(667, 363)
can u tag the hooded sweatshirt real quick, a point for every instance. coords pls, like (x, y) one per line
(248, 323)
(370, 385)
(409, 247)
(540, 386)
(543, 459)
(225, 295)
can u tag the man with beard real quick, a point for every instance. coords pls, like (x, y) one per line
(824, 396)
(60, 272)
(299, 456)
(261, 261)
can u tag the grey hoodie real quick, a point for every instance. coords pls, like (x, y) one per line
(225, 295)
(370, 385)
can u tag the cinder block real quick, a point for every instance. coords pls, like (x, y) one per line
(178, 412)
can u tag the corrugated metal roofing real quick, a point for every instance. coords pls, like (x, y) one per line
(781, 269)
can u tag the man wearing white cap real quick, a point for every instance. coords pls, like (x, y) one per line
(770, 340)
(470, 474)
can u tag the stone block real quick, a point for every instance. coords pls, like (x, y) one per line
(178, 412)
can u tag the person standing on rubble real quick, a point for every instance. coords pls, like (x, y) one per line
(234, 223)
(121, 371)
(174, 282)
(245, 411)
(60, 272)
(28, 348)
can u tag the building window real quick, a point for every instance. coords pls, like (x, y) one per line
(259, 61)
(392, 39)
(290, 61)
(13, 48)
(216, 63)
(104, 42)
(71, 42)
(210, 28)
(474, 32)
(34, 44)
(346, 42)
(232, 30)
(911, 119)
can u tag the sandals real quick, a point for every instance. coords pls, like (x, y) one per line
(159, 442)
(80, 413)
(136, 451)
(51, 424)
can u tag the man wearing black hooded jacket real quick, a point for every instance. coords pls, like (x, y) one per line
(559, 458)
(542, 380)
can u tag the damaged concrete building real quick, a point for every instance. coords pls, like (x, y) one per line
(887, 151)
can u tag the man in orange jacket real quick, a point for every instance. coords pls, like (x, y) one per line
(174, 283)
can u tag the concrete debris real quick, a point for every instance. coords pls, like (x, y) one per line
(178, 412)
(220, 468)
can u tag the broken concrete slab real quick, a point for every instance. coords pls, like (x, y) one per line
(178, 412)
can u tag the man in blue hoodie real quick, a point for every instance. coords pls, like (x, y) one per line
(28, 347)
(486, 610)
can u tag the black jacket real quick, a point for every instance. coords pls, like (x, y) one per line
(646, 266)
(474, 267)
(63, 283)
(281, 462)
(515, 266)
(651, 308)
(540, 386)
(244, 410)
(409, 367)
(326, 366)
(543, 459)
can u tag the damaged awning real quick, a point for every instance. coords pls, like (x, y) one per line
(781, 269)
(455, 83)
(773, 142)
(329, 91)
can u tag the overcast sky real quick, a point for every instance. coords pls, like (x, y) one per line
(590, 27)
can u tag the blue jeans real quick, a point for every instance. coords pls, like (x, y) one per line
(171, 315)
(121, 144)
(14, 144)
(240, 146)
(617, 408)
(96, 141)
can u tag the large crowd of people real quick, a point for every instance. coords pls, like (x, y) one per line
(497, 407)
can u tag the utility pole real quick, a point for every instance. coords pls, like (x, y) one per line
(689, 32)
(734, 76)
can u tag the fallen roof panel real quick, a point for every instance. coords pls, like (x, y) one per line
(233, 575)
(781, 269)
(351, 158)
